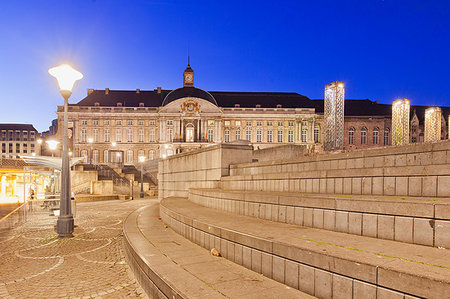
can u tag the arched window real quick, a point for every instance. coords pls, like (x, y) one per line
(316, 134)
(351, 135)
(105, 156)
(141, 153)
(151, 154)
(376, 135)
(95, 156)
(129, 156)
(363, 135)
(386, 136)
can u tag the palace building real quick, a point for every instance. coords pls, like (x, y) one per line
(117, 126)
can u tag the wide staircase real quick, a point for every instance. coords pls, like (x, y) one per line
(365, 224)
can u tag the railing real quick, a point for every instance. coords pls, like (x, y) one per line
(13, 219)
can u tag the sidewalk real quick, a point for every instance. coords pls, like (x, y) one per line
(35, 264)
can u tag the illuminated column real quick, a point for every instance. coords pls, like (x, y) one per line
(400, 122)
(433, 124)
(334, 115)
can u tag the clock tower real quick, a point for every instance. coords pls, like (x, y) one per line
(188, 76)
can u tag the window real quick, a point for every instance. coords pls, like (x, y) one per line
(270, 136)
(129, 135)
(10, 149)
(84, 122)
(83, 135)
(170, 135)
(269, 123)
(351, 133)
(32, 136)
(280, 123)
(249, 123)
(259, 136)
(151, 154)
(141, 122)
(95, 156)
(211, 135)
(3, 147)
(386, 137)
(170, 122)
(290, 136)
(25, 148)
(280, 135)
(375, 136)
(106, 135)
(129, 156)
(3, 135)
(364, 135)
(316, 134)
(25, 135)
(141, 135)
(151, 123)
(106, 122)
(259, 123)
(304, 132)
(95, 122)
(118, 122)
(141, 153)
(291, 124)
(304, 123)
(95, 132)
(227, 135)
(10, 135)
(151, 137)
(237, 123)
(237, 134)
(119, 135)
(17, 148)
(129, 122)
(105, 156)
(18, 135)
(84, 155)
(210, 122)
(227, 123)
(248, 134)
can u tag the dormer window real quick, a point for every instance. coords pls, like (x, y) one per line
(141, 104)
(119, 104)
(237, 105)
(258, 106)
(96, 104)
(279, 105)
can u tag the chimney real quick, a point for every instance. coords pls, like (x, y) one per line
(106, 90)
(90, 90)
(159, 89)
(377, 102)
(138, 90)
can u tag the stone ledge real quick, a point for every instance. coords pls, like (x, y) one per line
(380, 264)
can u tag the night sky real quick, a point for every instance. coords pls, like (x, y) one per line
(382, 50)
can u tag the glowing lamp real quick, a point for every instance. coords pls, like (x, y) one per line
(90, 140)
(52, 144)
(66, 76)
(141, 159)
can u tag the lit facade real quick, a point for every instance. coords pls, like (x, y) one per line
(400, 122)
(334, 116)
(18, 139)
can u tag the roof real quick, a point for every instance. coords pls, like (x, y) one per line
(189, 69)
(129, 98)
(265, 99)
(359, 108)
(188, 92)
(22, 127)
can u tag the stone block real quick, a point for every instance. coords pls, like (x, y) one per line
(278, 268)
(338, 185)
(238, 254)
(306, 279)
(308, 217)
(315, 186)
(282, 214)
(378, 161)
(230, 251)
(347, 188)
(246, 257)
(262, 211)
(290, 215)
(256, 261)
(377, 186)
(266, 264)
(329, 220)
(330, 186)
(389, 161)
(366, 185)
(355, 223)
(400, 160)
(309, 185)
(423, 231)
(318, 218)
(403, 229)
(401, 186)
(342, 287)
(429, 186)
(415, 186)
(342, 221)
(322, 185)
(275, 213)
(268, 212)
(291, 274)
(389, 186)
(364, 290)
(385, 227)
(356, 186)
(224, 248)
(383, 293)
(323, 286)
(298, 218)
(442, 238)
(443, 186)
(370, 225)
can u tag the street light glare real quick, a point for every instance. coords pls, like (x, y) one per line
(66, 76)
(141, 159)
(52, 144)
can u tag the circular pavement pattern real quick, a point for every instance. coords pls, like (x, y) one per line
(34, 263)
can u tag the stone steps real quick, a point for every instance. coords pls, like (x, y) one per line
(417, 220)
(319, 262)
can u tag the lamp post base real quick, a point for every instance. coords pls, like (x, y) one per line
(141, 195)
(64, 226)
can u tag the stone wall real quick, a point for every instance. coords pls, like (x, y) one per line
(284, 152)
(81, 180)
(201, 168)
(102, 187)
(412, 170)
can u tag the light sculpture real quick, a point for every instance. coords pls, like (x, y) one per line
(433, 124)
(334, 115)
(400, 122)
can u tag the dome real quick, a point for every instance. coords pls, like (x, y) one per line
(188, 92)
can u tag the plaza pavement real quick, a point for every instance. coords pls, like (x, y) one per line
(36, 264)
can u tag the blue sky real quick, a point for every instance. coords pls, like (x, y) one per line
(382, 50)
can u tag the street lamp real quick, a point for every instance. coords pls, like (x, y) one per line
(66, 76)
(142, 160)
(53, 144)
(90, 140)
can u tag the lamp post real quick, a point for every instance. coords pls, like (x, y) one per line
(52, 145)
(142, 160)
(66, 76)
(90, 140)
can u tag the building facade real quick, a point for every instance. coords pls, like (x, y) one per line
(19, 139)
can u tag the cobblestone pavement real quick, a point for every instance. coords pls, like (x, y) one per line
(34, 263)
